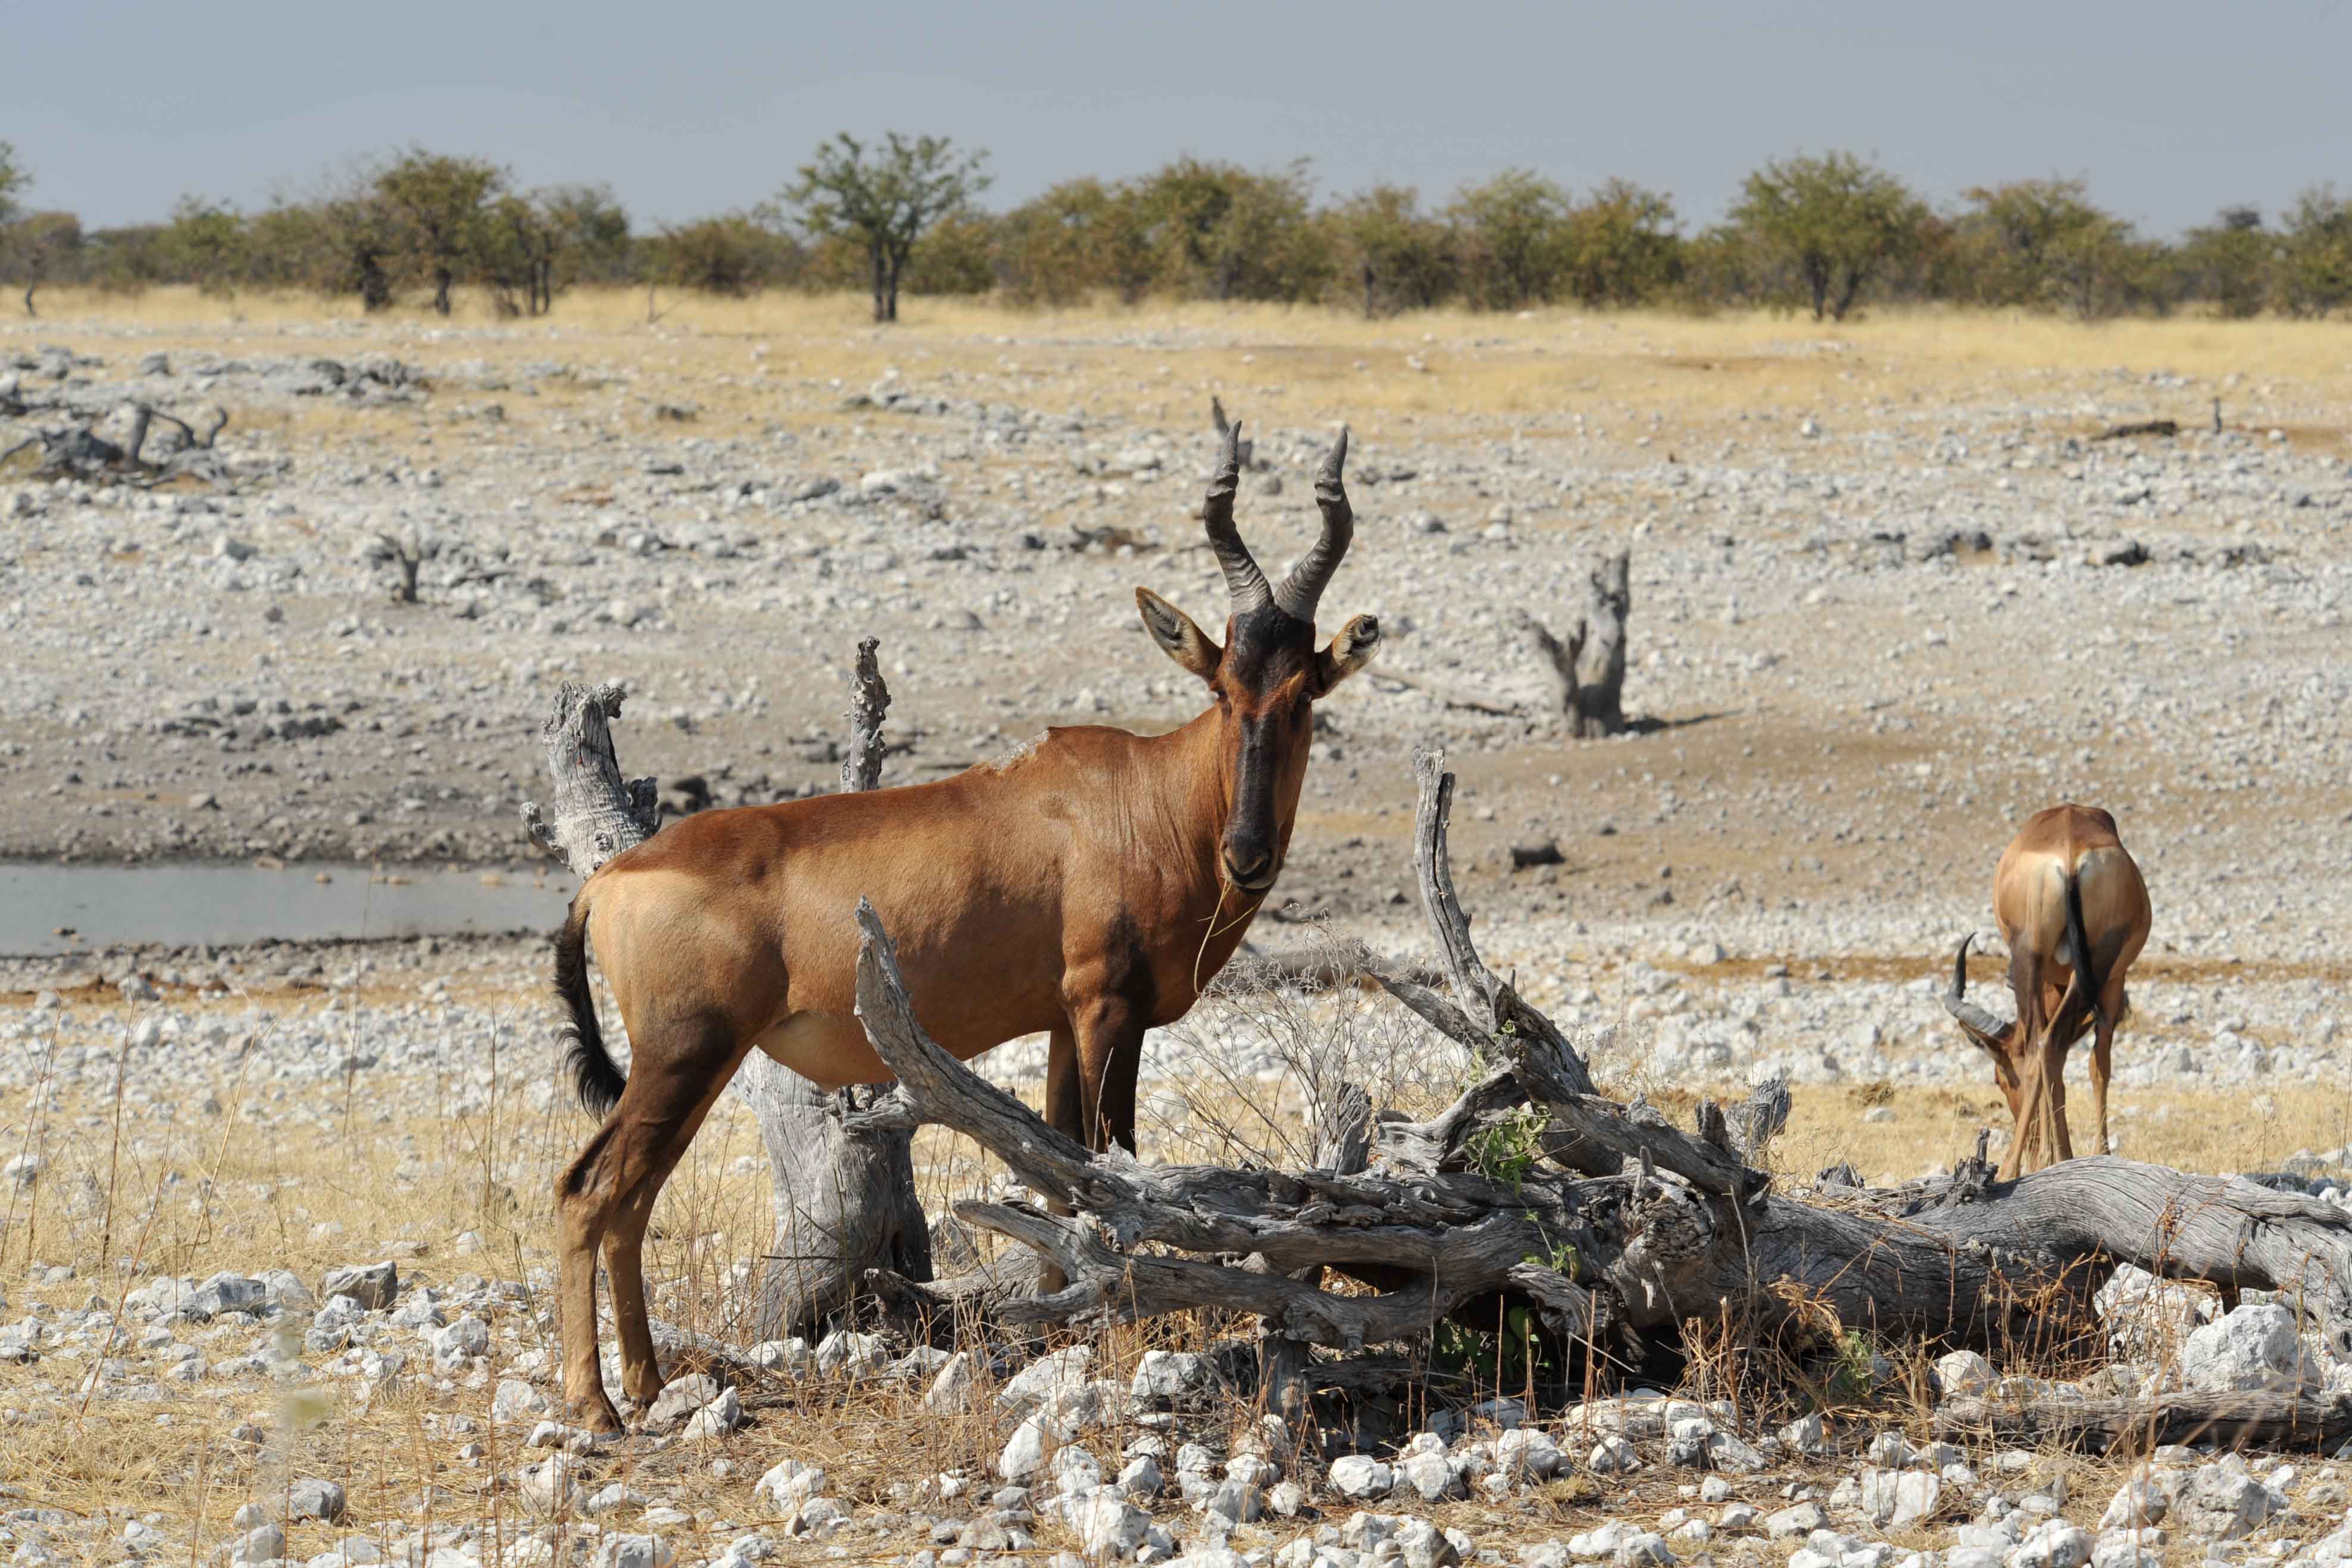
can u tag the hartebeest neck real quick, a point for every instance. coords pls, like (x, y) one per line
(1191, 768)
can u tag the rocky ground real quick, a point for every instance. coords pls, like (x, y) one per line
(1888, 599)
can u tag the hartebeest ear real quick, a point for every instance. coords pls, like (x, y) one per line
(1350, 652)
(1177, 635)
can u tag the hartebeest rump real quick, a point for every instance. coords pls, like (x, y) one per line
(2074, 912)
(1088, 886)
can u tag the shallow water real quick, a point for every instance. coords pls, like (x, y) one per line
(183, 904)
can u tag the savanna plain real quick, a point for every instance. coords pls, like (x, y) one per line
(1891, 593)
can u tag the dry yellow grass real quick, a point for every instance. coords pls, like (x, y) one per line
(1309, 363)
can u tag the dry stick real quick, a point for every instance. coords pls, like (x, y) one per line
(113, 1153)
(33, 1118)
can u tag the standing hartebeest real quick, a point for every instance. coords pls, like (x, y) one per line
(2074, 912)
(1088, 886)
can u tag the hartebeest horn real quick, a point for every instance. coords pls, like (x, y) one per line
(1982, 1027)
(1243, 580)
(1303, 588)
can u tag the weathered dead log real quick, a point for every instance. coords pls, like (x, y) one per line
(78, 449)
(1625, 1229)
(2302, 1418)
(1444, 693)
(844, 1199)
(1588, 670)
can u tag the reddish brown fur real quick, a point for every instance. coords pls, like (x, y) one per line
(2066, 852)
(1086, 887)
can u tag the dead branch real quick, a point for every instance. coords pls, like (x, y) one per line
(2141, 428)
(1643, 1225)
(2302, 1418)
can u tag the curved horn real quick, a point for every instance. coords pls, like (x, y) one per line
(1982, 1027)
(1302, 590)
(1243, 580)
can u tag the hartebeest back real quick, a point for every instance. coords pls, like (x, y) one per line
(2074, 912)
(1088, 886)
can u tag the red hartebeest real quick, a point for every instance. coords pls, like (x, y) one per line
(1088, 886)
(2074, 912)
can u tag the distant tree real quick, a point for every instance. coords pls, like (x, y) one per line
(957, 257)
(591, 231)
(1218, 231)
(733, 254)
(206, 244)
(2043, 244)
(1834, 222)
(15, 178)
(1620, 248)
(1512, 233)
(2230, 261)
(37, 246)
(1400, 258)
(1079, 237)
(514, 254)
(440, 209)
(2315, 253)
(886, 201)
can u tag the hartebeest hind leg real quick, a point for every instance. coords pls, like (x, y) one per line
(624, 1246)
(605, 1198)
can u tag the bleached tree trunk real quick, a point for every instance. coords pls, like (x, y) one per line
(1588, 670)
(844, 1196)
(844, 1199)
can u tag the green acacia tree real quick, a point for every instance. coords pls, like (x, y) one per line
(2315, 253)
(1512, 233)
(2229, 261)
(883, 198)
(441, 210)
(1833, 222)
(1402, 257)
(14, 178)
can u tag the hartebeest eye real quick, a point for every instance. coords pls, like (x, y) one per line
(1177, 635)
(1352, 649)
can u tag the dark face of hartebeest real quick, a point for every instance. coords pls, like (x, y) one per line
(1268, 674)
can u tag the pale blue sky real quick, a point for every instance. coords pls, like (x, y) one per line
(2169, 109)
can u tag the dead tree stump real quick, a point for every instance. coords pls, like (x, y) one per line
(844, 1193)
(844, 1196)
(1587, 670)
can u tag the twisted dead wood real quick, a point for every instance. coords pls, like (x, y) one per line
(1633, 1227)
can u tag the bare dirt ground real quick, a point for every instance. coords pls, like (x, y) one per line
(1890, 596)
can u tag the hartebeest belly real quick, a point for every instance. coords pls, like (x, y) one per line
(1086, 887)
(2072, 908)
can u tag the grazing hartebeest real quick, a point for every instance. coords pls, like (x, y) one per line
(1088, 886)
(2074, 912)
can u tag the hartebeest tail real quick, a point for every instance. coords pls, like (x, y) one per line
(595, 1074)
(2075, 911)
(1084, 887)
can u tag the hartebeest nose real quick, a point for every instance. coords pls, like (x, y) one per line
(1251, 869)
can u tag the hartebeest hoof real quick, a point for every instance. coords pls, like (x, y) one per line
(597, 1416)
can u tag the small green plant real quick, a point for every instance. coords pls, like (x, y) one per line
(1505, 1150)
(1559, 1258)
(1853, 1366)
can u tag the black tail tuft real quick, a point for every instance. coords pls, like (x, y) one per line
(2087, 984)
(598, 1081)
